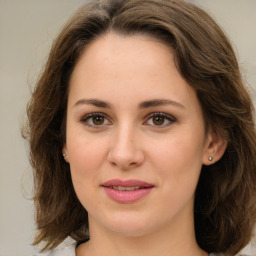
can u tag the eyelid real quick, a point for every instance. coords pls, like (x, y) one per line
(85, 118)
(168, 117)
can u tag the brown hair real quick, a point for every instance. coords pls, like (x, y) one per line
(225, 203)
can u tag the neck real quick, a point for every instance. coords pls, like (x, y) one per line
(176, 240)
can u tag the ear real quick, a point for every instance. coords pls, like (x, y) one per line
(64, 153)
(214, 148)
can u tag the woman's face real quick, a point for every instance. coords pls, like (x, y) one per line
(135, 137)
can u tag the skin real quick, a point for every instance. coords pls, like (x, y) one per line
(126, 142)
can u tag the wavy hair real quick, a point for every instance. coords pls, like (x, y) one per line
(225, 201)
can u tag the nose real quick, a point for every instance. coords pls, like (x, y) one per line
(125, 150)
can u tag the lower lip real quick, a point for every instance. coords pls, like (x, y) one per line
(127, 197)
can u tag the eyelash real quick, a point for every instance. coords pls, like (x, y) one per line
(86, 119)
(166, 117)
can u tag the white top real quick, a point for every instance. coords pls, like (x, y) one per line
(71, 251)
(66, 251)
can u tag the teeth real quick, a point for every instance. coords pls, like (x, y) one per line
(121, 188)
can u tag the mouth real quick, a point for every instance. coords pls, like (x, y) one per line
(128, 191)
(121, 188)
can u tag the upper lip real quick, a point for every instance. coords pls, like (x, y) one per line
(127, 183)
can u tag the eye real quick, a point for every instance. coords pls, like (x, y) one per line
(159, 119)
(95, 119)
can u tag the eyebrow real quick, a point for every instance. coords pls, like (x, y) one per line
(160, 102)
(94, 102)
(142, 105)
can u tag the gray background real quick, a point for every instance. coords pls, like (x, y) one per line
(27, 28)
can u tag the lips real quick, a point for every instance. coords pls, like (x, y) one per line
(127, 191)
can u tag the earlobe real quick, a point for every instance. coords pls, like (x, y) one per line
(64, 153)
(215, 148)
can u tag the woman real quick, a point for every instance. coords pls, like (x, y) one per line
(142, 135)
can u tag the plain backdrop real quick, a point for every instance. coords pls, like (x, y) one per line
(27, 28)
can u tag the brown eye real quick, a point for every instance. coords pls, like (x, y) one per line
(158, 120)
(98, 120)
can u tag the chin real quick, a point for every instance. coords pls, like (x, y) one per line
(129, 225)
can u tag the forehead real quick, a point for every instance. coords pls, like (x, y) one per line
(125, 66)
(111, 50)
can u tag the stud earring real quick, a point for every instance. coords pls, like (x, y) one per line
(64, 155)
(210, 158)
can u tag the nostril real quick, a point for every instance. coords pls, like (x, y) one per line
(113, 163)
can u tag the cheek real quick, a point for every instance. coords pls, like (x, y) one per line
(178, 159)
(86, 156)
(85, 150)
(84, 169)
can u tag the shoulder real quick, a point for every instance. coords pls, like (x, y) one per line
(66, 251)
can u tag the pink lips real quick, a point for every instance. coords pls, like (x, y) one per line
(127, 191)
